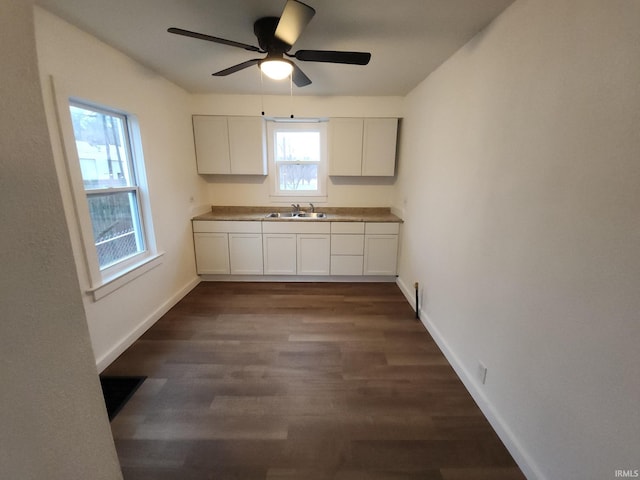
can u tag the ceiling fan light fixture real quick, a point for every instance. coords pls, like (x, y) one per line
(276, 69)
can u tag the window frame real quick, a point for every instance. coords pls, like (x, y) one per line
(297, 125)
(132, 187)
(96, 281)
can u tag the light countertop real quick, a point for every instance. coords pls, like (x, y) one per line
(333, 214)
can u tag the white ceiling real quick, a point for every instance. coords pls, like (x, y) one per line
(407, 39)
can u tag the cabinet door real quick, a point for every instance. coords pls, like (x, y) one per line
(380, 254)
(211, 138)
(345, 146)
(279, 253)
(245, 253)
(379, 150)
(212, 253)
(247, 146)
(314, 256)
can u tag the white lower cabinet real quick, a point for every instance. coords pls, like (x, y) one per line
(313, 254)
(381, 248)
(212, 253)
(295, 248)
(347, 248)
(279, 253)
(380, 254)
(228, 247)
(346, 265)
(245, 253)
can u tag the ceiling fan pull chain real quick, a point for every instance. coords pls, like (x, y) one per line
(291, 92)
(261, 93)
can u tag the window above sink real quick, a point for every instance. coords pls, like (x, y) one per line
(297, 153)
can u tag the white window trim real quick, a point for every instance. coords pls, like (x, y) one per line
(104, 282)
(124, 276)
(274, 125)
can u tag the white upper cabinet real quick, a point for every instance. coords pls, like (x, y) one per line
(362, 146)
(379, 147)
(247, 145)
(230, 145)
(345, 146)
(211, 136)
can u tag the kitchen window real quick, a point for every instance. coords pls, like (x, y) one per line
(107, 179)
(297, 152)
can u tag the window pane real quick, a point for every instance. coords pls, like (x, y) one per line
(102, 148)
(298, 177)
(297, 147)
(116, 229)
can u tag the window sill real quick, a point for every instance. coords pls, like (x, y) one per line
(298, 198)
(113, 283)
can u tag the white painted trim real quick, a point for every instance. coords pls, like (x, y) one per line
(275, 194)
(104, 361)
(123, 277)
(299, 278)
(511, 442)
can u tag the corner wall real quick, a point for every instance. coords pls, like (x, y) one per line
(93, 71)
(520, 183)
(52, 414)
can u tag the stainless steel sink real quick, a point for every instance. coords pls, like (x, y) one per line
(315, 215)
(312, 215)
(281, 215)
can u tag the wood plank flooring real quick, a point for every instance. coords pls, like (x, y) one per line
(299, 381)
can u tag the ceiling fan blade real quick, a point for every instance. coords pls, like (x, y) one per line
(295, 17)
(331, 56)
(236, 68)
(299, 78)
(209, 38)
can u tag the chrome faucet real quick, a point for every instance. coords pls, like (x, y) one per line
(296, 208)
(313, 209)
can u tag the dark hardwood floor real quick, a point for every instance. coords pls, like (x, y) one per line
(299, 381)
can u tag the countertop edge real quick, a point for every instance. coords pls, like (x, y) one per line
(259, 214)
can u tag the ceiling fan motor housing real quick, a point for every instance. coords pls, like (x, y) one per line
(265, 29)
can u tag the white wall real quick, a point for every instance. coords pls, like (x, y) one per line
(91, 70)
(341, 191)
(52, 416)
(520, 181)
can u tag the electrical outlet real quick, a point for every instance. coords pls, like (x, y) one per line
(482, 373)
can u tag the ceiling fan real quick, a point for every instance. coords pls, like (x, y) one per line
(275, 37)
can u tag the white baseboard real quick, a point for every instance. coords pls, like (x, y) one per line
(106, 360)
(522, 458)
(300, 278)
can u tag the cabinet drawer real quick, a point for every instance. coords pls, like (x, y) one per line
(347, 227)
(347, 244)
(390, 228)
(347, 265)
(296, 226)
(226, 226)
